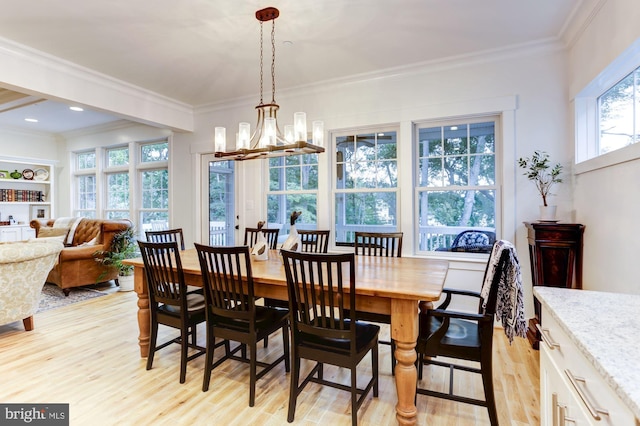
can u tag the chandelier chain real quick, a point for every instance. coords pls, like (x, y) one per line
(273, 62)
(261, 56)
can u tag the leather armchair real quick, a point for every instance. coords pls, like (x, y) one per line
(76, 264)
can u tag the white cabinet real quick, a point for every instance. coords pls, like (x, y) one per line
(16, 233)
(571, 389)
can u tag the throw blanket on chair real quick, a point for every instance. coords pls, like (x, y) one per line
(70, 223)
(510, 299)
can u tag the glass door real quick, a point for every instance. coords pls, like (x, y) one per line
(219, 188)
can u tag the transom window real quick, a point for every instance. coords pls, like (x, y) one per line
(619, 114)
(456, 186)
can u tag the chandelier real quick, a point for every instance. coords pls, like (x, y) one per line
(267, 141)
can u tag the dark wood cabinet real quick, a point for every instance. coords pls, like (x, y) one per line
(555, 253)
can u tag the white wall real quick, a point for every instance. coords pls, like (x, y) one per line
(607, 200)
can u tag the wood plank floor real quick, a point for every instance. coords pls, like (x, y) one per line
(87, 355)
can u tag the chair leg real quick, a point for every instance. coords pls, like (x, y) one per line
(374, 369)
(293, 387)
(210, 348)
(285, 343)
(152, 343)
(28, 323)
(393, 357)
(487, 383)
(184, 345)
(354, 397)
(252, 374)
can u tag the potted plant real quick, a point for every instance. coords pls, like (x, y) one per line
(123, 246)
(539, 170)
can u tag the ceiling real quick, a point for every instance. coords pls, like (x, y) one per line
(204, 52)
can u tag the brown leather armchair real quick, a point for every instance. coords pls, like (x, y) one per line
(76, 265)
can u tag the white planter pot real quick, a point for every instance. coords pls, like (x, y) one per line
(548, 213)
(126, 282)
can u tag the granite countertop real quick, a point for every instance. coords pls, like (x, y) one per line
(604, 326)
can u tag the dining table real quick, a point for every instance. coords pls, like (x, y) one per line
(393, 286)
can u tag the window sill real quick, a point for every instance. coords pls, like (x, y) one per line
(622, 155)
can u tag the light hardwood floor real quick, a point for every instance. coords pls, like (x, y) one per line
(87, 355)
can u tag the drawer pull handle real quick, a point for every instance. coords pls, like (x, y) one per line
(547, 337)
(593, 410)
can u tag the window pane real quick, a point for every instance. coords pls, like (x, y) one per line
(370, 211)
(154, 152)
(86, 160)
(617, 116)
(118, 191)
(155, 189)
(280, 206)
(87, 192)
(117, 157)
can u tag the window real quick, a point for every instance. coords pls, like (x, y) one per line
(85, 181)
(117, 183)
(154, 183)
(456, 186)
(619, 114)
(293, 186)
(366, 185)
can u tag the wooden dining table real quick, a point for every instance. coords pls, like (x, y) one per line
(385, 285)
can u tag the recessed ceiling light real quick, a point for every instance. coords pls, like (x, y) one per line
(75, 108)
(31, 120)
(454, 127)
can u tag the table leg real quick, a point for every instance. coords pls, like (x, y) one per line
(143, 311)
(404, 330)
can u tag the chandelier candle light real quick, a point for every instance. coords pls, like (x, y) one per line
(267, 141)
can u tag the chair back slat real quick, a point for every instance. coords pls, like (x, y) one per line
(163, 269)
(317, 285)
(225, 272)
(383, 244)
(165, 236)
(271, 235)
(314, 241)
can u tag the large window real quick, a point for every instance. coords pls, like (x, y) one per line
(456, 186)
(293, 186)
(126, 181)
(366, 184)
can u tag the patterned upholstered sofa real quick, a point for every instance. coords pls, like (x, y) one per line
(76, 264)
(23, 270)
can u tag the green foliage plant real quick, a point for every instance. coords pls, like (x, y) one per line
(539, 170)
(123, 246)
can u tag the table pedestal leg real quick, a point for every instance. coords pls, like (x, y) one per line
(143, 311)
(404, 330)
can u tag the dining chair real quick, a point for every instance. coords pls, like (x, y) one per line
(169, 302)
(166, 235)
(383, 244)
(469, 336)
(324, 328)
(271, 235)
(314, 241)
(232, 314)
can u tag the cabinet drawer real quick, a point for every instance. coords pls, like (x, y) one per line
(594, 397)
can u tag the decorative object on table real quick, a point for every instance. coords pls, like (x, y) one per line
(293, 242)
(260, 250)
(267, 141)
(539, 170)
(15, 174)
(123, 246)
(4, 174)
(40, 174)
(27, 174)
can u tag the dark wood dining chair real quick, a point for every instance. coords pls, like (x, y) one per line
(270, 234)
(469, 336)
(314, 241)
(232, 314)
(169, 302)
(323, 327)
(384, 244)
(165, 236)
